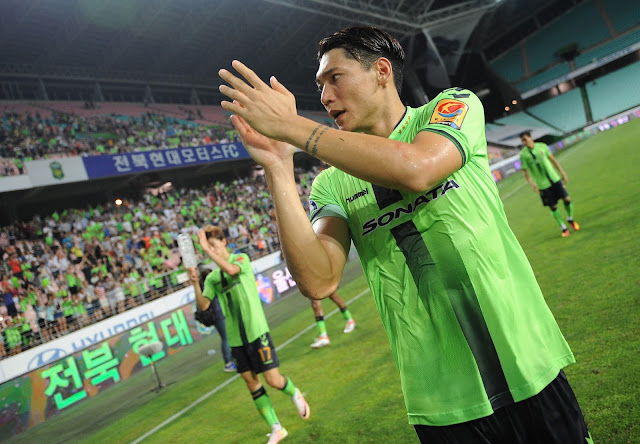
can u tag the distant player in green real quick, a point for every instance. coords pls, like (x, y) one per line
(323, 337)
(479, 353)
(234, 284)
(543, 172)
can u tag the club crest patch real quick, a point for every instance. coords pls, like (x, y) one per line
(450, 112)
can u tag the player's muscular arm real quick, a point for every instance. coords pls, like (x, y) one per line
(271, 111)
(315, 259)
(415, 166)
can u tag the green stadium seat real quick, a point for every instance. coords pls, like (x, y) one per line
(615, 92)
(624, 14)
(565, 111)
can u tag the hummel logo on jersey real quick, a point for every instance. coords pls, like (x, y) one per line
(357, 195)
(371, 225)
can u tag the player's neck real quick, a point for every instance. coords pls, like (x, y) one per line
(389, 117)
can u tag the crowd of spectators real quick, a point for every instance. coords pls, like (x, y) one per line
(65, 270)
(26, 136)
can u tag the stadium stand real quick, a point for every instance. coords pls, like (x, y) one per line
(565, 111)
(52, 129)
(596, 36)
(509, 65)
(584, 25)
(623, 14)
(604, 49)
(491, 127)
(524, 120)
(545, 76)
(68, 269)
(607, 98)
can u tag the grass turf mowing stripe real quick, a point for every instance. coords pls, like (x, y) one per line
(236, 376)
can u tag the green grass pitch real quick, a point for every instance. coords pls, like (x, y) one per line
(590, 280)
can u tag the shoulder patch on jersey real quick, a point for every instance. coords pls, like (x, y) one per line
(313, 205)
(449, 112)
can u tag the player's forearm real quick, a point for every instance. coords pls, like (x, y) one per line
(528, 178)
(306, 257)
(558, 166)
(224, 265)
(378, 160)
(203, 303)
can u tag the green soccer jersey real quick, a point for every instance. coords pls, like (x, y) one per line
(469, 328)
(239, 300)
(536, 162)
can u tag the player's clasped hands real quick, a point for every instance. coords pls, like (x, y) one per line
(266, 108)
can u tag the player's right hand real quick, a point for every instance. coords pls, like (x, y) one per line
(265, 151)
(536, 190)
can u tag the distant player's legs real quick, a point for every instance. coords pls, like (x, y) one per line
(323, 338)
(550, 197)
(558, 217)
(263, 404)
(221, 327)
(351, 324)
(283, 383)
(568, 206)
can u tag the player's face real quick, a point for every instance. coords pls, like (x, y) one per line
(527, 140)
(348, 91)
(219, 245)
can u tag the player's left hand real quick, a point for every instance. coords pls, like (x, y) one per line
(193, 274)
(269, 109)
(565, 179)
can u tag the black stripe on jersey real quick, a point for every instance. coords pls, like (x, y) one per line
(463, 300)
(452, 139)
(235, 310)
(539, 166)
(466, 308)
(385, 196)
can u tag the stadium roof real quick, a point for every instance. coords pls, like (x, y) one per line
(185, 42)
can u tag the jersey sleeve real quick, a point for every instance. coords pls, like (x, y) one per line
(242, 261)
(323, 200)
(458, 115)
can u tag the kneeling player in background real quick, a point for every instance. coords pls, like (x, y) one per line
(247, 329)
(323, 337)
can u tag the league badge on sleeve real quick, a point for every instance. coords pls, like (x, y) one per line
(449, 112)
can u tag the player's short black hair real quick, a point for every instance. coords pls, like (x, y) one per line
(366, 44)
(525, 133)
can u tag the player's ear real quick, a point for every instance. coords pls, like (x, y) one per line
(384, 71)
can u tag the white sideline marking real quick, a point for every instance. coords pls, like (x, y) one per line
(509, 194)
(234, 377)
